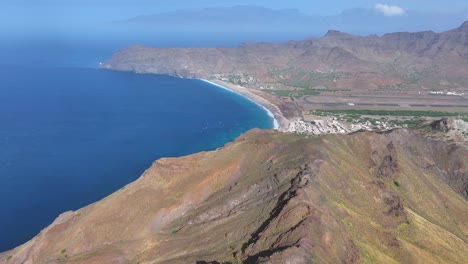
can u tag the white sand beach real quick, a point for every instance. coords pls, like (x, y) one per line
(279, 121)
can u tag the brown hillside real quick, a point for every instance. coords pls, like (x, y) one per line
(414, 61)
(271, 197)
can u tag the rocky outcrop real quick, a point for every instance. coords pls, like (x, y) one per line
(444, 124)
(388, 164)
(271, 197)
(447, 124)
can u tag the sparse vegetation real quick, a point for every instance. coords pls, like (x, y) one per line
(301, 92)
(410, 75)
(404, 118)
(9, 257)
(175, 231)
(239, 79)
(396, 183)
(284, 93)
(416, 122)
(407, 113)
(294, 77)
(63, 251)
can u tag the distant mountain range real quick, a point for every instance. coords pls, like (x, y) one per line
(411, 61)
(259, 19)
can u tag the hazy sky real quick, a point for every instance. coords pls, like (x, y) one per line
(16, 14)
(103, 9)
(310, 6)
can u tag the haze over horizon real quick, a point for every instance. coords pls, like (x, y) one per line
(233, 131)
(138, 7)
(363, 17)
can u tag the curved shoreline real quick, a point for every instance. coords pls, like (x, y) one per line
(279, 121)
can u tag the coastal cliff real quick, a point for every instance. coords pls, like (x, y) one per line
(336, 61)
(271, 197)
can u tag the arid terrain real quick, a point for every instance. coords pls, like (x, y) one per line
(392, 187)
(410, 71)
(271, 197)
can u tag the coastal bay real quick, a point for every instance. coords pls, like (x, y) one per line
(84, 133)
(279, 121)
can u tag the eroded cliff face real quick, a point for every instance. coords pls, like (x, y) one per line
(273, 197)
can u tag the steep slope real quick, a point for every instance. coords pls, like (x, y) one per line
(413, 61)
(271, 197)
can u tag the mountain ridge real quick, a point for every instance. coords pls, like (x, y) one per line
(271, 197)
(342, 55)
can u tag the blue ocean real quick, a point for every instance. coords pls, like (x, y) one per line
(71, 134)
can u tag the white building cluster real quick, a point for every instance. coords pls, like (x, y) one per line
(332, 126)
(446, 93)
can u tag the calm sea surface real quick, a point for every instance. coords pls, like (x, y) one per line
(71, 134)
